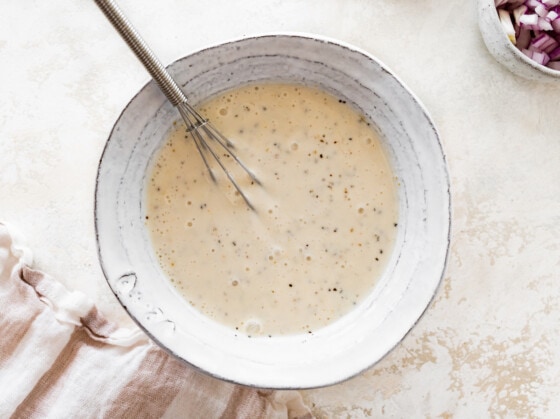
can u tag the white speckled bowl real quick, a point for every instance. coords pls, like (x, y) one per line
(504, 51)
(410, 281)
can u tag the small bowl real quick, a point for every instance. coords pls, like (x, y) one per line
(504, 51)
(354, 342)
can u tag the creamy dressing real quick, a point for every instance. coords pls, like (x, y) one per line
(325, 220)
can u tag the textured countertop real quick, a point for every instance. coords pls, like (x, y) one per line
(489, 345)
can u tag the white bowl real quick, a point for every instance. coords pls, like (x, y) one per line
(353, 343)
(504, 51)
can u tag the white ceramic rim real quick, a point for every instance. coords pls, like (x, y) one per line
(267, 378)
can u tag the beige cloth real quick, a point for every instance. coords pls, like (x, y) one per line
(60, 358)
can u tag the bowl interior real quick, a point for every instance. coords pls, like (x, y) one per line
(352, 343)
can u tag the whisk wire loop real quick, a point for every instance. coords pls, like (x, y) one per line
(202, 132)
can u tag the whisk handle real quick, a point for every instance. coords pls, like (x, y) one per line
(156, 69)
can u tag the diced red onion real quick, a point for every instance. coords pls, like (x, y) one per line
(554, 55)
(505, 19)
(544, 24)
(532, 4)
(537, 56)
(541, 10)
(555, 65)
(544, 42)
(523, 38)
(518, 12)
(534, 27)
(530, 20)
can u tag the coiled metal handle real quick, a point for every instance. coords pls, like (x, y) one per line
(156, 69)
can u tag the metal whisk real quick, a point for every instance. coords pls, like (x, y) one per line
(204, 134)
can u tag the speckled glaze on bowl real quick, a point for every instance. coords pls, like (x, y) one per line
(505, 52)
(351, 344)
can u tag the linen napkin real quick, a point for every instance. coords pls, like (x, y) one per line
(61, 358)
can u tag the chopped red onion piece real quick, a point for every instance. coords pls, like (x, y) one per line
(537, 56)
(529, 20)
(505, 19)
(554, 55)
(541, 10)
(544, 42)
(518, 12)
(555, 65)
(513, 4)
(499, 3)
(552, 15)
(550, 3)
(523, 38)
(541, 58)
(532, 3)
(555, 25)
(544, 25)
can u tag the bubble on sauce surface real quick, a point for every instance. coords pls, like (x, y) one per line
(275, 253)
(253, 326)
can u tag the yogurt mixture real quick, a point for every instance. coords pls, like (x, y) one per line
(325, 220)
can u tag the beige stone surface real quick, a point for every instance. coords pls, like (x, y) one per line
(489, 345)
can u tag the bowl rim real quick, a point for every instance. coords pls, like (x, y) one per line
(447, 223)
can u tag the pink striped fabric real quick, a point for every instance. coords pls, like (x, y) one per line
(60, 358)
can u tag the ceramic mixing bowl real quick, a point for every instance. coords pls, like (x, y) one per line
(504, 51)
(354, 342)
